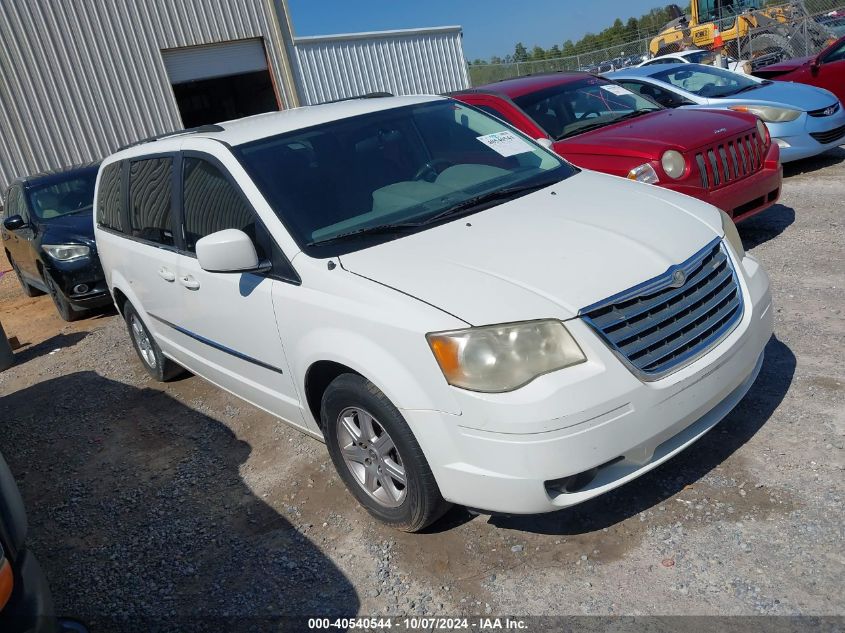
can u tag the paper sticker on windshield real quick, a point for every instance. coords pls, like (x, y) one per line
(506, 143)
(619, 91)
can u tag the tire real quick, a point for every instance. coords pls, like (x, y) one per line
(28, 290)
(155, 363)
(63, 306)
(352, 409)
(768, 43)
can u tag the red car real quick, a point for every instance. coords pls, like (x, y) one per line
(825, 70)
(722, 157)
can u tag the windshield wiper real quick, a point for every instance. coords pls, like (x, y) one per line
(635, 114)
(380, 229)
(468, 205)
(473, 204)
(751, 87)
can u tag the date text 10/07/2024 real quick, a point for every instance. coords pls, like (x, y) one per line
(419, 624)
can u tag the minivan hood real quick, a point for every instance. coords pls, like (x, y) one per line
(649, 135)
(547, 254)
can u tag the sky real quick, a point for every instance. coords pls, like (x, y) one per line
(491, 27)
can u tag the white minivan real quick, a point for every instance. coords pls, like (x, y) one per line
(462, 316)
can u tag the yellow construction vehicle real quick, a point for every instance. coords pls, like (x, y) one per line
(749, 30)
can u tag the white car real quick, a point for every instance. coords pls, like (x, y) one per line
(697, 56)
(460, 315)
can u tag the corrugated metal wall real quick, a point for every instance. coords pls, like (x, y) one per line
(427, 61)
(79, 78)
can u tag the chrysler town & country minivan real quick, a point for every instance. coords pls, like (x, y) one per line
(460, 314)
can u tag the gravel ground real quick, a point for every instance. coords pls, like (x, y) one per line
(183, 503)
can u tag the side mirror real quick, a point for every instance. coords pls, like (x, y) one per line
(227, 251)
(545, 142)
(814, 67)
(14, 222)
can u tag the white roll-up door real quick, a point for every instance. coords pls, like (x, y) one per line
(215, 60)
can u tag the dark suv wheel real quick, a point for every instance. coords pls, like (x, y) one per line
(63, 306)
(377, 456)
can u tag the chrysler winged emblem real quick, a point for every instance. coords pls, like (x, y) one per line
(679, 278)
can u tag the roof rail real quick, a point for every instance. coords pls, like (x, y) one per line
(158, 137)
(369, 95)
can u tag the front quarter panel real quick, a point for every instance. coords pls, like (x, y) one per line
(338, 316)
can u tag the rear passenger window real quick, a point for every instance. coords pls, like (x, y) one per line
(150, 197)
(109, 200)
(212, 203)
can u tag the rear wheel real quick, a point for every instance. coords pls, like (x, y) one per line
(63, 306)
(377, 456)
(28, 290)
(157, 365)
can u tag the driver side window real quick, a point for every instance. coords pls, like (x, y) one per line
(836, 55)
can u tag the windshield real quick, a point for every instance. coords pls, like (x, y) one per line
(336, 185)
(64, 197)
(706, 81)
(572, 108)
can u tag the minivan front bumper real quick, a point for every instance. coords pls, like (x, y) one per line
(518, 453)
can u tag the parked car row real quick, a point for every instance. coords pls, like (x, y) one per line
(448, 291)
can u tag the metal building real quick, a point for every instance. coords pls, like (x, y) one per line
(400, 62)
(80, 78)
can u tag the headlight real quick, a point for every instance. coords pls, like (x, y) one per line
(644, 173)
(66, 252)
(732, 235)
(673, 163)
(499, 358)
(769, 114)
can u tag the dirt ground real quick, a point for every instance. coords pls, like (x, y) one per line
(181, 502)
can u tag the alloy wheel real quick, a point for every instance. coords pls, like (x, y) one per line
(142, 340)
(372, 457)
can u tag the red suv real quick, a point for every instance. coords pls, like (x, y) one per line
(825, 70)
(722, 157)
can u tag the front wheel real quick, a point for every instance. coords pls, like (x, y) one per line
(63, 306)
(377, 456)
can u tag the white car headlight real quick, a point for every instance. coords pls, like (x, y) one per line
(498, 358)
(673, 163)
(644, 173)
(732, 235)
(769, 114)
(66, 252)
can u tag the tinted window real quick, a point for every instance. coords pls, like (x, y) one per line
(13, 203)
(836, 55)
(68, 194)
(110, 202)
(150, 194)
(212, 203)
(658, 95)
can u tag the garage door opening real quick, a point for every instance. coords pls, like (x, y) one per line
(219, 82)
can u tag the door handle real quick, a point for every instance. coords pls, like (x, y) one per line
(166, 274)
(189, 282)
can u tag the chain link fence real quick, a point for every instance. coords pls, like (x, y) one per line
(795, 34)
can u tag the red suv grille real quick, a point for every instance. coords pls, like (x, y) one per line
(730, 161)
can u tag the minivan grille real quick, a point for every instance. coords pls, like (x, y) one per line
(659, 326)
(830, 136)
(730, 161)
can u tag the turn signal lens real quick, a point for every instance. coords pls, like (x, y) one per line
(644, 173)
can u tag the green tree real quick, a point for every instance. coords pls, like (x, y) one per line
(520, 53)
